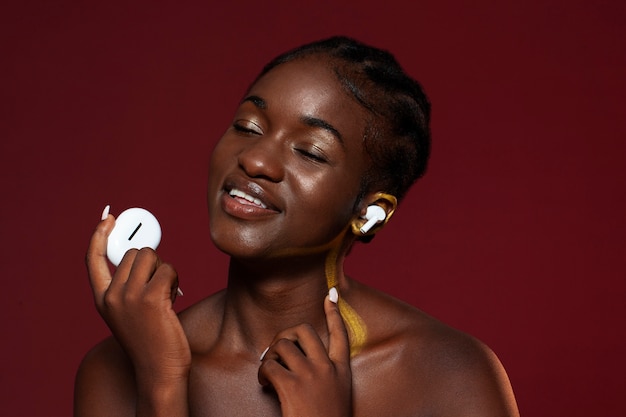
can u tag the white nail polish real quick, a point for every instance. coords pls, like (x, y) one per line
(264, 352)
(333, 295)
(179, 292)
(105, 212)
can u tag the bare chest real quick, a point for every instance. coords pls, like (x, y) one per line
(228, 388)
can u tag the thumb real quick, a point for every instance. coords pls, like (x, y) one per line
(339, 344)
(96, 258)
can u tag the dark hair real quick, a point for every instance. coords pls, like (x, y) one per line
(397, 138)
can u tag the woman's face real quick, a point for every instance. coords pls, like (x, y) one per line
(285, 177)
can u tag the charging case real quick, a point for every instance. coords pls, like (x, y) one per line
(135, 228)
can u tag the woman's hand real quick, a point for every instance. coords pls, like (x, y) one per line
(136, 302)
(310, 380)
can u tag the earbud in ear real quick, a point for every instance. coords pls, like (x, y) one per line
(375, 214)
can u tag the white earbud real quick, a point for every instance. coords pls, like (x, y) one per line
(375, 214)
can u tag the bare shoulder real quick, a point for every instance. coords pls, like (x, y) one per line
(202, 322)
(435, 369)
(105, 373)
(105, 380)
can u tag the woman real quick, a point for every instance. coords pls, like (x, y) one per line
(324, 132)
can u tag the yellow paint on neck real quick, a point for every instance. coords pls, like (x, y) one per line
(357, 331)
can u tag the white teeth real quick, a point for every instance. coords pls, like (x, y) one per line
(237, 193)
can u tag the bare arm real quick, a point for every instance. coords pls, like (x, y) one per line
(474, 383)
(105, 383)
(144, 372)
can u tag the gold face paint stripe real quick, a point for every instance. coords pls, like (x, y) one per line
(357, 330)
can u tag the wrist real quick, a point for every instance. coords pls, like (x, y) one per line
(158, 397)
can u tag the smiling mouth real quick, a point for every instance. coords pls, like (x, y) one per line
(245, 198)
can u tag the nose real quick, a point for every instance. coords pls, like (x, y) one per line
(262, 158)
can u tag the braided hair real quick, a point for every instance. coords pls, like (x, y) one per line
(397, 136)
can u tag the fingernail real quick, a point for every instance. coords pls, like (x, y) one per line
(264, 352)
(105, 212)
(333, 295)
(179, 292)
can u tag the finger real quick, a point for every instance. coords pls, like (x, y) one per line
(338, 342)
(145, 263)
(176, 292)
(272, 373)
(287, 353)
(164, 282)
(96, 259)
(306, 339)
(120, 276)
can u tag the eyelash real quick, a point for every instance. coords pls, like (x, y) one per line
(305, 153)
(243, 129)
(312, 156)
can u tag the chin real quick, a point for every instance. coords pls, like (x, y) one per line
(240, 245)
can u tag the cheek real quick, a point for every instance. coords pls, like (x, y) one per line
(332, 201)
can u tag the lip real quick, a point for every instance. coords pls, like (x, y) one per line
(247, 200)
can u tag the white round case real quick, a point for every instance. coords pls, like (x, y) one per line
(135, 228)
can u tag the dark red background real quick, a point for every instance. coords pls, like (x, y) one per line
(517, 234)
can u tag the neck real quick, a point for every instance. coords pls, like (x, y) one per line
(266, 297)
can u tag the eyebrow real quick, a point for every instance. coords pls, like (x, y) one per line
(257, 101)
(307, 120)
(316, 122)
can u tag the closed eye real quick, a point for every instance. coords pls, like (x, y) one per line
(312, 156)
(248, 127)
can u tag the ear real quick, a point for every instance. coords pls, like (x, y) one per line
(385, 201)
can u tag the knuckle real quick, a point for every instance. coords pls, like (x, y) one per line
(264, 368)
(305, 328)
(129, 255)
(282, 342)
(268, 370)
(152, 298)
(130, 298)
(168, 270)
(110, 300)
(327, 369)
(145, 254)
